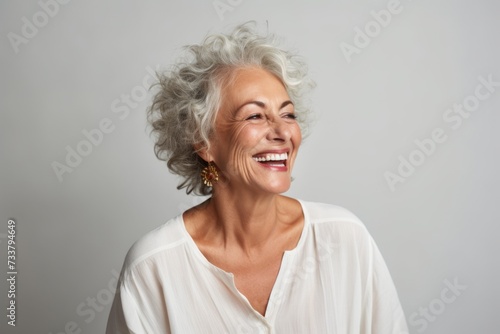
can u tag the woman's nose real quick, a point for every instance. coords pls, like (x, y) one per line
(279, 130)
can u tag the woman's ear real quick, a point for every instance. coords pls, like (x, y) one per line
(203, 152)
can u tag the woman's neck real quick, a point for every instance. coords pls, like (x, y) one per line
(246, 222)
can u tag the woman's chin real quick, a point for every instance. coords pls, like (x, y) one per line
(277, 188)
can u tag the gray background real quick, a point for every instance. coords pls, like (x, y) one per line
(440, 225)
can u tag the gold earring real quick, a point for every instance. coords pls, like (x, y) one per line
(209, 174)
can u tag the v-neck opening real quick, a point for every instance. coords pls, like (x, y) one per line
(228, 277)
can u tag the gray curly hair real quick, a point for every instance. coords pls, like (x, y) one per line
(184, 109)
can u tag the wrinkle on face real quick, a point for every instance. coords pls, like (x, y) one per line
(256, 115)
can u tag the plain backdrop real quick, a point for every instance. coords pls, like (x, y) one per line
(69, 69)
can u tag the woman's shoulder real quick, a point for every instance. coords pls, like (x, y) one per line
(337, 228)
(323, 215)
(322, 212)
(166, 236)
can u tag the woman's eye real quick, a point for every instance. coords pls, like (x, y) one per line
(254, 116)
(291, 116)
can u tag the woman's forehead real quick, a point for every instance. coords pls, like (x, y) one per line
(253, 83)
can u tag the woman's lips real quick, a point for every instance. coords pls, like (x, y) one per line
(272, 160)
(265, 157)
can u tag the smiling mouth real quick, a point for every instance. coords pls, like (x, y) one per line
(272, 159)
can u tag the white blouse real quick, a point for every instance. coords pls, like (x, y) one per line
(334, 281)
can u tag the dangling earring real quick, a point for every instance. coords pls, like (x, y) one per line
(209, 174)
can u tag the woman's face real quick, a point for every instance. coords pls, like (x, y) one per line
(256, 137)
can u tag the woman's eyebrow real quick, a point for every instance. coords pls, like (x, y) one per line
(261, 105)
(284, 104)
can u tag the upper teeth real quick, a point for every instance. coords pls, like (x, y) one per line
(272, 157)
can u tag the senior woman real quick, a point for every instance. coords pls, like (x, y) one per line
(247, 260)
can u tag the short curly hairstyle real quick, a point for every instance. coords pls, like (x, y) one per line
(183, 111)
